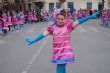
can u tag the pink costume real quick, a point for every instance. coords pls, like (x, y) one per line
(79, 16)
(75, 15)
(29, 17)
(68, 18)
(54, 17)
(107, 15)
(62, 51)
(55, 13)
(9, 20)
(32, 16)
(21, 21)
(1, 23)
(15, 20)
(35, 17)
(5, 22)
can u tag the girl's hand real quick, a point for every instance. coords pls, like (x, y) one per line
(95, 14)
(38, 38)
(29, 41)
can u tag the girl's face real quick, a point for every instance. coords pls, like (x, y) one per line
(4, 15)
(60, 20)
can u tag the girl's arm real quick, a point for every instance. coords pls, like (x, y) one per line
(80, 21)
(41, 36)
(38, 38)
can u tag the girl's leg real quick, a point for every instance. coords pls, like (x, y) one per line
(107, 23)
(9, 26)
(61, 68)
(14, 26)
(5, 31)
(22, 25)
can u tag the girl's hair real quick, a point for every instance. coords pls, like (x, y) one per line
(62, 14)
(63, 11)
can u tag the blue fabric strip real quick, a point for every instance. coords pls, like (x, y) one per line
(64, 60)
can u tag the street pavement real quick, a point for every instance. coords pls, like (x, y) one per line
(90, 42)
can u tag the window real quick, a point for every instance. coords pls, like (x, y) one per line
(29, 6)
(100, 6)
(51, 6)
(71, 5)
(58, 5)
(89, 5)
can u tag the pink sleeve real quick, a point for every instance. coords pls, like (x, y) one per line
(50, 29)
(69, 27)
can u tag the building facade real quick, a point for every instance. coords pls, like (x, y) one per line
(50, 4)
(77, 4)
(13, 4)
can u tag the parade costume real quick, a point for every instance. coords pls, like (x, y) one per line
(35, 16)
(104, 18)
(5, 24)
(21, 21)
(62, 51)
(9, 22)
(55, 13)
(15, 21)
(1, 23)
(50, 17)
(68, 18)
(30, 18)
(74, 16)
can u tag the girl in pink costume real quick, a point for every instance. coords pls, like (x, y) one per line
(9, 20)
(45, 17)
(5, 23)
(79, 15)
(35, 17)
(107, 14)
(21, 21)
(30, 18)
(104, 18)
(56, 11)
(62, 50)
(15, 21)
(68, 16)
(74, 16)
(1, 22)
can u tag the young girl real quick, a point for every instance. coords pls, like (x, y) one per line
(5, 24)
(30, 18)
(68, 16)
(35, 16)
(9, 20)
(62, 51)
(14, 20)
(21, 20)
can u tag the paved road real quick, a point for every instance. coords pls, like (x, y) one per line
(91, 44)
